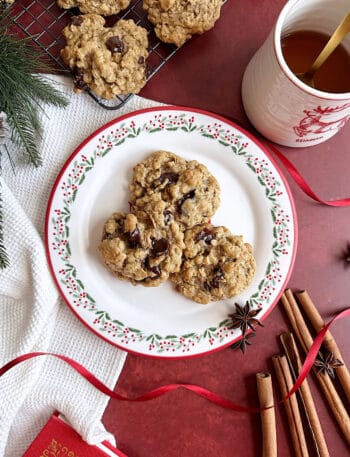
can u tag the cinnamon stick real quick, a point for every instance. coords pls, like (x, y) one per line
(317, 322)
(294, 360)
(291, 406)
(305, 339)
(268, 420)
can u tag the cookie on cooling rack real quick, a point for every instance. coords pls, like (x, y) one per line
(168, 187)
(103, 7)
(176, 21)
(137, 251)
(216, 264)
(109, 61)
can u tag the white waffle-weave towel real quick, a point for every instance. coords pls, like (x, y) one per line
(32, 315)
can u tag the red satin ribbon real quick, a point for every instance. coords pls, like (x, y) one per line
(198, 390)
(300, 181)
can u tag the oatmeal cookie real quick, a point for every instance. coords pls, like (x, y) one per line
(103, 7)
(136, 251)
(168, 187)
(108, 60)
(216, 264)
(177, 20)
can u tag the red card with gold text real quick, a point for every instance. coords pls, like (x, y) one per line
(57, 438)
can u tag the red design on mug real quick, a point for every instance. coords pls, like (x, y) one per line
(319, 120)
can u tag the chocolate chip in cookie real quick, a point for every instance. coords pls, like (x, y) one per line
(115, 44)
(169, 177)
(159, 247)
(182, 200)
(78, 79)
(134, 238)
(168, 217)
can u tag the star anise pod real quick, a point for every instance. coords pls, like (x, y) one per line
(243, 342)
(346, 255)
(244, 318)
(327, 364)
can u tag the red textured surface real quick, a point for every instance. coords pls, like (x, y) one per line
(206, 73)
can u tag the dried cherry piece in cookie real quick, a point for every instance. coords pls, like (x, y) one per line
(206, 235)
(77, 20)
(216, 279)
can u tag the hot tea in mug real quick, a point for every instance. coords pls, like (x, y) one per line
(300, 50)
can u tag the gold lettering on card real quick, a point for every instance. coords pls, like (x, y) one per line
(57, 449)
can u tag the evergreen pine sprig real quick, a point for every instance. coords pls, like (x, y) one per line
(23, 94)
(23, 90)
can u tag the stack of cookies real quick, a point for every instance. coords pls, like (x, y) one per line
(168, 233)
(111, 61)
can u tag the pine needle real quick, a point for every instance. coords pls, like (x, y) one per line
(4, 260)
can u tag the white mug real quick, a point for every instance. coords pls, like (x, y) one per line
(279, 105)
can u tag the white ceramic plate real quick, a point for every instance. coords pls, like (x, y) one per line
(255, 202)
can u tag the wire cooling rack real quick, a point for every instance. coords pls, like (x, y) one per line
(43, 21)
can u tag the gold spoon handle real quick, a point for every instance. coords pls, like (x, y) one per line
(340, 32)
